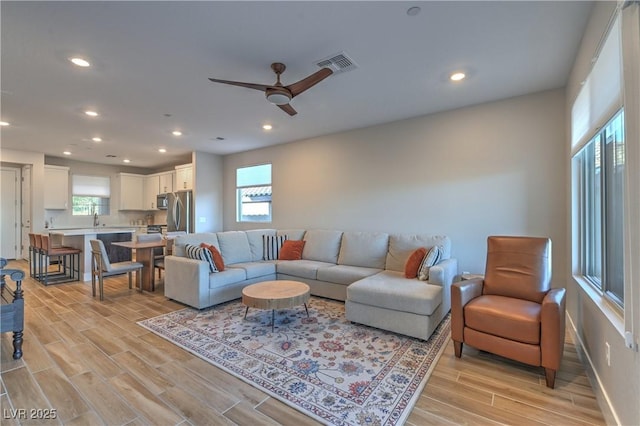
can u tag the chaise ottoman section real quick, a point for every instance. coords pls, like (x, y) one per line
(390, 301)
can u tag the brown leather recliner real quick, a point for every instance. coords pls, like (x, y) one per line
(513, 312)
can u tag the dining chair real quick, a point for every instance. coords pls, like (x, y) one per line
(101, 267)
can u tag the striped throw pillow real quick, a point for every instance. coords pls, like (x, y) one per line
(200, 253)
(271, 245)
(433, 256)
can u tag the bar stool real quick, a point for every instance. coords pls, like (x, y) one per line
(37, 238)
(68, 259)
(34, 255)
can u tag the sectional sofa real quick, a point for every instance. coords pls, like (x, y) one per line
(364, 269)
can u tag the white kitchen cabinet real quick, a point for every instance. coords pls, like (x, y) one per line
(184, 177)
(131, 191)
(56, 187)
(151, 191)
(166, 182)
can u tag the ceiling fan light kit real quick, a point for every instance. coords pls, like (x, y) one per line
(281, 95)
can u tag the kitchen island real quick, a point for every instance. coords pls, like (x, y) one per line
(79, 238)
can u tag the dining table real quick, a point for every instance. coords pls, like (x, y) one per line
(145, 255)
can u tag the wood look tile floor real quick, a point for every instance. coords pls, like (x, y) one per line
(93, 364)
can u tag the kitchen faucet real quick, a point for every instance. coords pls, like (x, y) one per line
(96, 222)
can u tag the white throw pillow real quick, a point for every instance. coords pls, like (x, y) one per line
(200, 253)
(431, 258)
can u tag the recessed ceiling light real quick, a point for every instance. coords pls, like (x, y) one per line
(80, 62)
(66, 152)
(3, 123)
(91, 113)
(96, 139)
(176, 133)
(126, 160)
(457, 76)
(267, 127)
(162, 150)
(413, 11)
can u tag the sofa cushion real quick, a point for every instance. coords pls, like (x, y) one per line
(302, 268)
(391, 290)
(513, 319)
(291, 250)
(292, 234)
(345, 274)
(229, 276)
(194, 239)
(255, 242)
(256, 269)
(200, 253)
(271, 245)
(413, 263)
(367, 249)
(234, 246)
(402, 245)
(322, 245)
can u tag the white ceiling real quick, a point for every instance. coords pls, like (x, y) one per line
(154, 58)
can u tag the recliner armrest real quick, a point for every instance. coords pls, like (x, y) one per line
(462, 293)
(552, 318)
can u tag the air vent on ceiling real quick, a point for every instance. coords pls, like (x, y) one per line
(338, 63)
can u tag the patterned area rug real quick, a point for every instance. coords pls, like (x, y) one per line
(324, 366)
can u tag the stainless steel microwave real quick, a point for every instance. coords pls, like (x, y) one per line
(162, 202)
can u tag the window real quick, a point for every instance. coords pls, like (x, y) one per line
(253, 193)
(600, 205)
(91, 194)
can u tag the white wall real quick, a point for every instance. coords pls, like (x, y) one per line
(207, 178)
(495, 168)
(617, 386)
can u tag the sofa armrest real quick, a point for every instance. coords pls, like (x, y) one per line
(462, 293)
(552, 331)
(442, 273)
(187, 281)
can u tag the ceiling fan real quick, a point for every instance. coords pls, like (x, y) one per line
(281, 95)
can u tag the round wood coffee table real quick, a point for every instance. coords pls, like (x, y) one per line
(275, 295)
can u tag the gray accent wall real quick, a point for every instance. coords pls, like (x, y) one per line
(494, 168)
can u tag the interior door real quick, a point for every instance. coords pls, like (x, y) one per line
(9, 213)
(26, 210)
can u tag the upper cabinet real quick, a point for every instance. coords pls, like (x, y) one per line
(131, 191)
(151, 187)
(56, 187)
(184, 177)
(166, 182)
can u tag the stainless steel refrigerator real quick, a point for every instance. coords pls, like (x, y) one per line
(180, 211)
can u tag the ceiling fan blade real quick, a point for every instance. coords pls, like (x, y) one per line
(261, 87)
(288, 109)
(309, 82)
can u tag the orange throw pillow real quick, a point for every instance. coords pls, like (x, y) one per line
(217, 257)
(413, 262)
(291, 250)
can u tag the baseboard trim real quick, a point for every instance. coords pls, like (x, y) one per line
(596, 384)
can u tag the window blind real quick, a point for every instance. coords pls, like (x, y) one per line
(601, 94)
(91, 186)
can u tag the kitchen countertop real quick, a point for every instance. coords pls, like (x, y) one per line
(90, 231)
